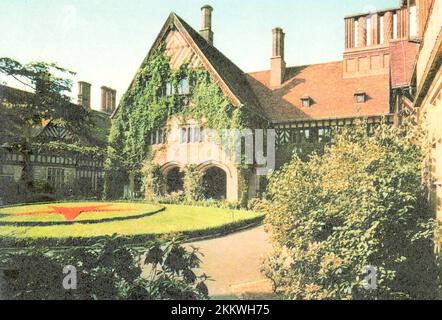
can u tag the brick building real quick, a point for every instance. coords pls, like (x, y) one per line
(373, 81)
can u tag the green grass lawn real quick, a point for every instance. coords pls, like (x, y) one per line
(175, 219)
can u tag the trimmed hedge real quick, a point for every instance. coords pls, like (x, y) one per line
(7, 243)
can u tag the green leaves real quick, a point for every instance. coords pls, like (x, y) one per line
(361, 203)
(108, 270)
(193, 184)
(145, 108)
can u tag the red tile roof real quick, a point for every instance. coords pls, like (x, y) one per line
(332, 95)
(402, 61)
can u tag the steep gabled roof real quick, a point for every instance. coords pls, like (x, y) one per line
(231, 79)
(229, 72)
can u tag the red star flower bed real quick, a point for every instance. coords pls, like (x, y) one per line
(70, 214)
(93, 212)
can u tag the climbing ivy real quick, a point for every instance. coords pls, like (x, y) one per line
(153, 180)
(193, 183)
(145, 107)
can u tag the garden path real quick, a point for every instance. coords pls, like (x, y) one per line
(233, 262)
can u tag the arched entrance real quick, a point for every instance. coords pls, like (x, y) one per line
(215, 184)
(175, 181)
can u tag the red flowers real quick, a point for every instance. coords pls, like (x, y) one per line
(71, 213)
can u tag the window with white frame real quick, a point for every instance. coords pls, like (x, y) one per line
(360, 97)
(157, 137)
(381, 30)
(306, 101)
(368, 28)
(168, 89)
(413, 21)
(183, 87)
(192, 134)
(395, 26)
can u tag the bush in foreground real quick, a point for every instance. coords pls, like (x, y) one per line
(106, 271)
(360, 204)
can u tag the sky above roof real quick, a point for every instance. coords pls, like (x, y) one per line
(105, 41)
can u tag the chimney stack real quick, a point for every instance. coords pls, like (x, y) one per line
(206, 25)
(277, 70)
(108, 100)
(84, 94)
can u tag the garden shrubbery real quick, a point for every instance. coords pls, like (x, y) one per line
(193, 184)
(362, 203)
(153, 180)
(106, 271)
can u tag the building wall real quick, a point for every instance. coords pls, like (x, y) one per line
(430, 40)
(429, 91)
(12, 170)
(431, 116)
(204, 155)
(82, 170)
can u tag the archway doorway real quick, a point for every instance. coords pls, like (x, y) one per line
(175, 181)
(215, 184)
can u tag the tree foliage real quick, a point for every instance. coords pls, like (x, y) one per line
(24, 113)
(360, 204)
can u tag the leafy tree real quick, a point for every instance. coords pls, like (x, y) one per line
(24, 113)
(361, 204)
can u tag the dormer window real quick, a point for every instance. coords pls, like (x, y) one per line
(306, 101)
(360, 97)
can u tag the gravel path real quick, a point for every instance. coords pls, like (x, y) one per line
(233, 263)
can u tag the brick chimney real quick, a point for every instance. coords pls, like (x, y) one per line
(84, 94)
(206, 24)
(108, 100)
(277, 70)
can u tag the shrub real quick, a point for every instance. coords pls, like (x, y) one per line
(193, 184)
(107, 271)
(257, 205)
(361, 204)
(42, 186)
(9, 191)
(153, 180)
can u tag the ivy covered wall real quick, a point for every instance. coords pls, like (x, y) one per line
(155, 96)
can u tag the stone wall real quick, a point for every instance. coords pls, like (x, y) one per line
(205, 154)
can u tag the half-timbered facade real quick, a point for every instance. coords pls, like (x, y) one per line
(55, 173)
(303, 103)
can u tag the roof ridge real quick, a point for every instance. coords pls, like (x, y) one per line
(298, 66)
(215, 48)
(233, 76)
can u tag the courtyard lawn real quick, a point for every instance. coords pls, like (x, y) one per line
(174, 219)
(75, 212)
